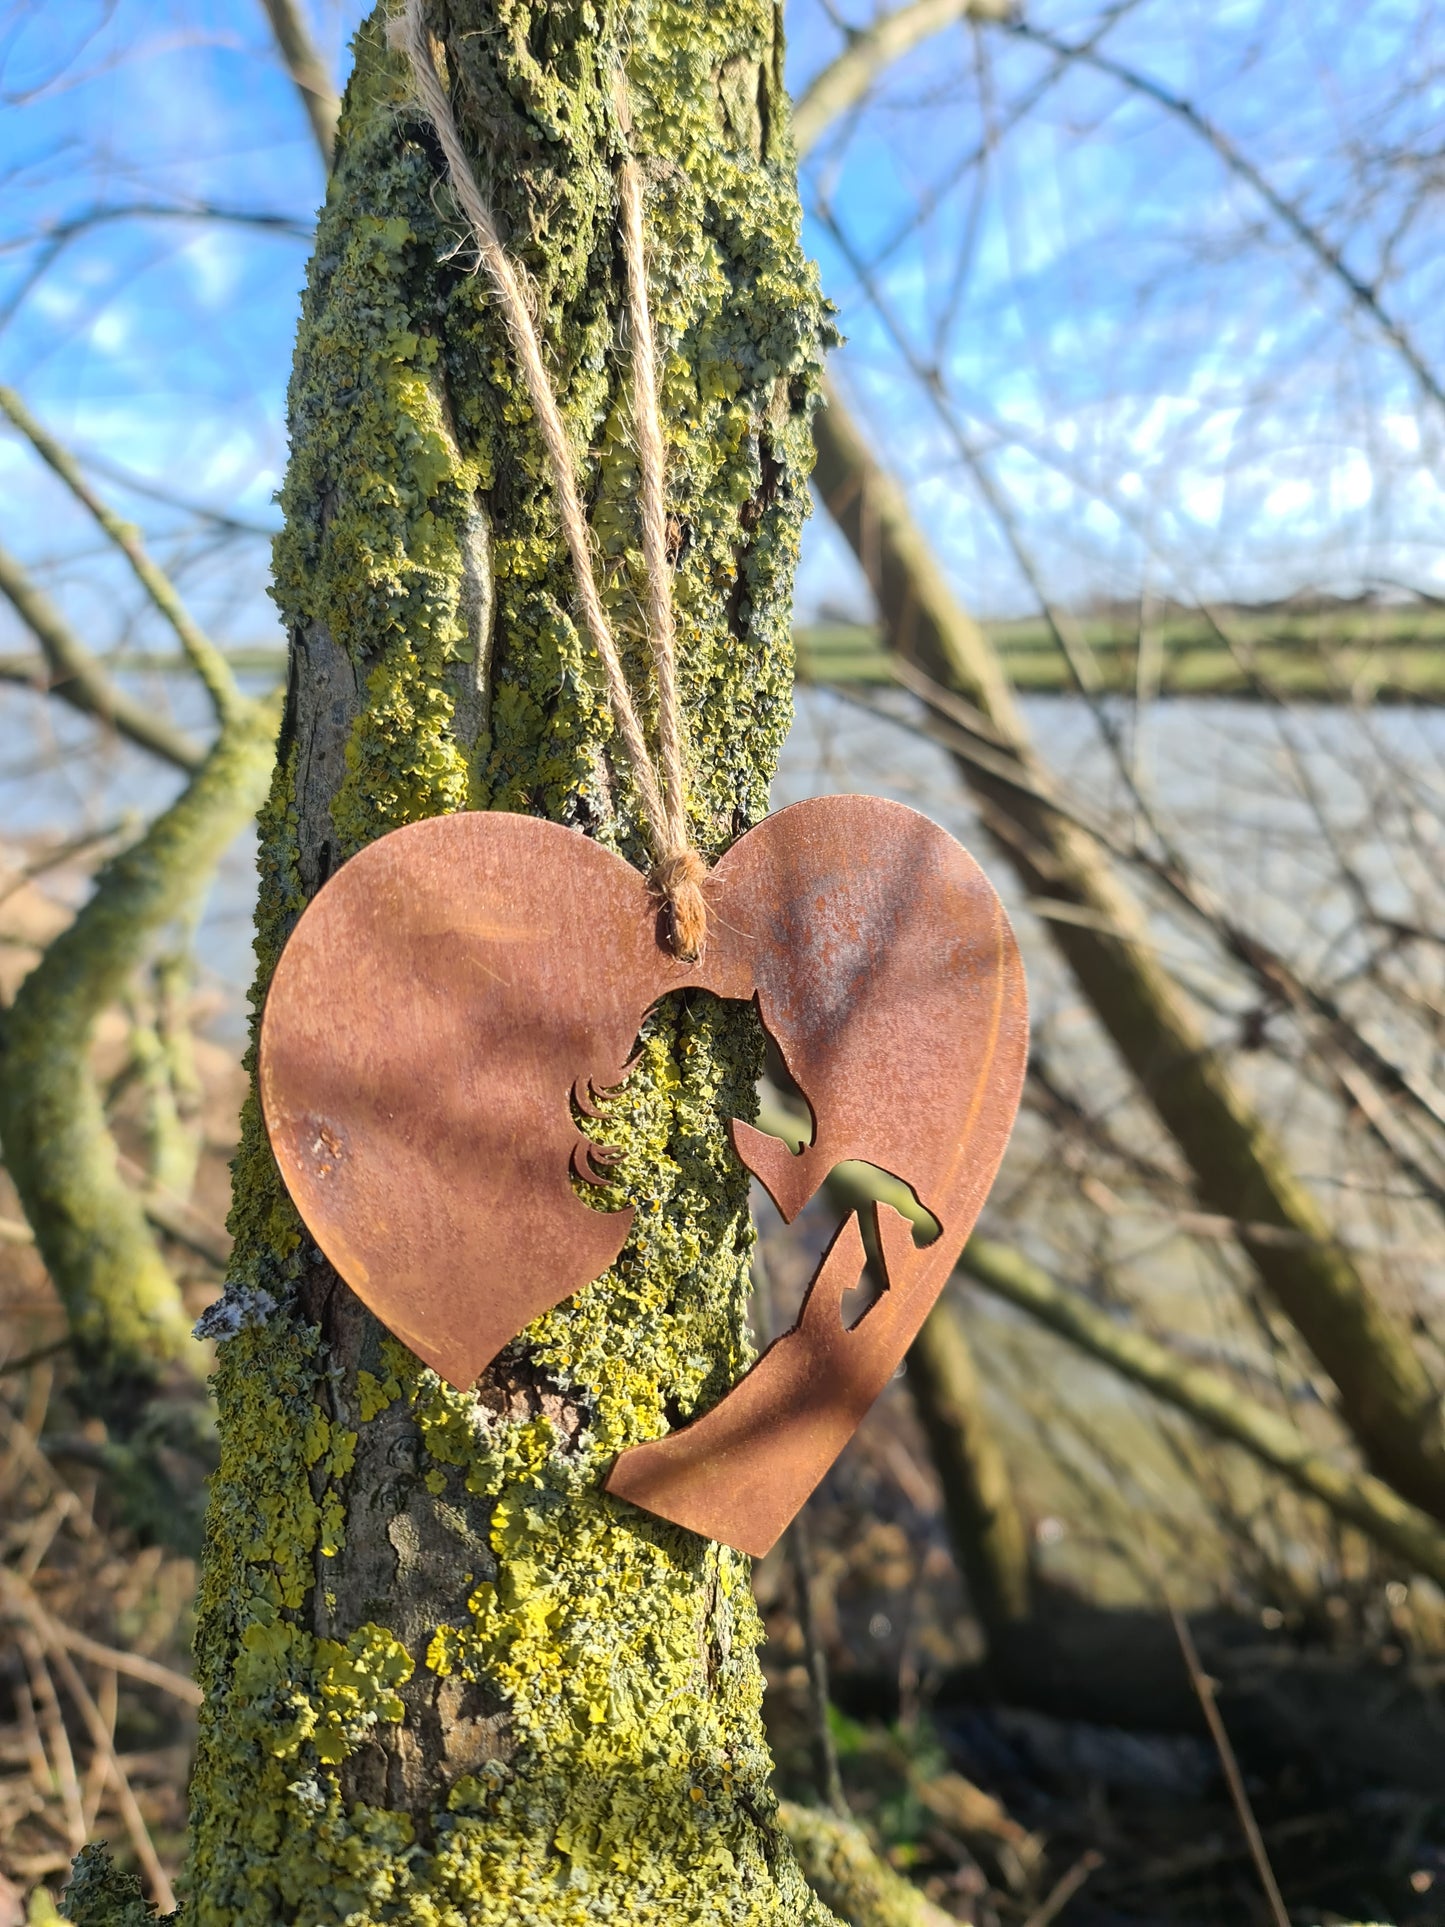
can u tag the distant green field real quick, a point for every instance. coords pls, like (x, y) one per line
(1332, 653)
(1341, 653)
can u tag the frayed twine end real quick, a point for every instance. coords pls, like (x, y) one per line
(678, 879)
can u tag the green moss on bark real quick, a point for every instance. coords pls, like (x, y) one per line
(125, 1311)
(449, 1680)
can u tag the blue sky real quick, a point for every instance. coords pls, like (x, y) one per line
(1172, 394)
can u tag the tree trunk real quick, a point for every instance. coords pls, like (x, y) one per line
(447, 1679)
(990, 1538)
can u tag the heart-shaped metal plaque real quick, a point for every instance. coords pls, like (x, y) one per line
(458, 985)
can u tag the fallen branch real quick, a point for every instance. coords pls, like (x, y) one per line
(61, 1759)
(1064, 1889)
(140, 1839)
(1206, 1693)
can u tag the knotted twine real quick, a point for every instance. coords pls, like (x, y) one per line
(678, 870)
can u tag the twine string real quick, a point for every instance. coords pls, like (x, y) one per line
(678, 870)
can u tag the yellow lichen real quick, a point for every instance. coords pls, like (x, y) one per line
(384, 1549)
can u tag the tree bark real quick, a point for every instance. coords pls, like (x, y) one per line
(1385, 1394)
(447, 1679)
(990, 1538)
(127, 1320)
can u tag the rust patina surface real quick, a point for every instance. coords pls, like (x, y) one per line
(461, 984)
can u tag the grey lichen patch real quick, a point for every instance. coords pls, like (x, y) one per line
(100, 1894)
(239, 1306)
(450, 1681)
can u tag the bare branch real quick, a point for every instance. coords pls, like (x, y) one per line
(219, 519)
(52, 240)
(79, 678)
(1206, 1691)
(58, 233)
(205, 658)
(141, 1843)
(1240, 1171)
(135, 1666)
(308, 71)
(121, 1298)
(1359, 1497)
(1271, 971)
(843, 84)
(1288, 212)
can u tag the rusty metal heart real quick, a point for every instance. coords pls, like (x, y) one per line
(457, 986)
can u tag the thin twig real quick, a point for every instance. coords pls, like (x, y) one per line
(91, 843)
(52, 242)
(1205, 1693)
(1274, 975)
(177, 1217)
(149, 1671)
(41, 1633)
(40, 1774)
(22, 1446)
(40, 1533)
(268, 219)
(57, 1740)
(96, 1774)
(1288, 212)
(141, 1843)
(78, 677)
(205, 658)
(1063, 1891)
